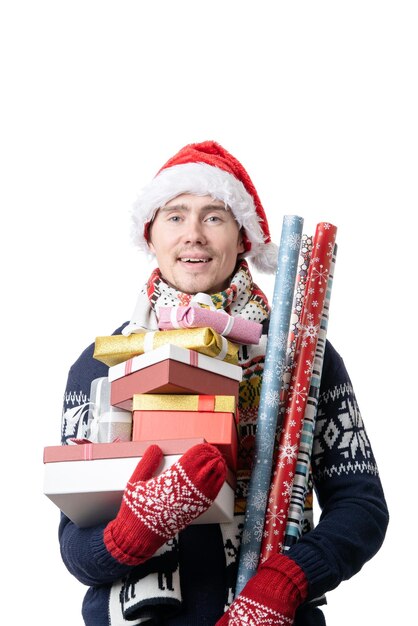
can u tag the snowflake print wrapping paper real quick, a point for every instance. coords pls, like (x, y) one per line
(297, 394)
(281, 309)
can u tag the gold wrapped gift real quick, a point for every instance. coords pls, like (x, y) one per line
(179, 402)
(115, 349)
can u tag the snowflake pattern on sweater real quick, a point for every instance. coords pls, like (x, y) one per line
(340, 435)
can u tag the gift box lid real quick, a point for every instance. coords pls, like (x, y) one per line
(182, 402)
(176, 353)
(88, 451)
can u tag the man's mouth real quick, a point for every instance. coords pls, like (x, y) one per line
(186, 259)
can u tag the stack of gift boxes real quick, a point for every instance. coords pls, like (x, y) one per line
(176, 387)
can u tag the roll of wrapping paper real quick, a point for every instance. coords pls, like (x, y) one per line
(300, 482)
(236, 328)
(297, 395)
(115, 349)
(301, 278)
(268, 410)
(298, 298)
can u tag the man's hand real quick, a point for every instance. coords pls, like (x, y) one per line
(154, 510)
(271, 596)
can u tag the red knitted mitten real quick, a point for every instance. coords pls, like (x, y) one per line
(153, 510)
(270, 597)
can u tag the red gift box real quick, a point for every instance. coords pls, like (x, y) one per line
(86, 482)
(170, 376)
(216, 428)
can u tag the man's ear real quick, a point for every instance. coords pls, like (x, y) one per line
(240, 244)
(148, 238)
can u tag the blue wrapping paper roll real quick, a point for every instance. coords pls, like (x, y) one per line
(275, 361)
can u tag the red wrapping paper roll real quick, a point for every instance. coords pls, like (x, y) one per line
(297, 394)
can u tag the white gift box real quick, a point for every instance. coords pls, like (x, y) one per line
(89, 490)
(176, 353)
(106, 422)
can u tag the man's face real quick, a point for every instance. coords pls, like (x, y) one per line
(196, 242)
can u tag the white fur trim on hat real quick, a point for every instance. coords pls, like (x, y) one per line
(202, 179)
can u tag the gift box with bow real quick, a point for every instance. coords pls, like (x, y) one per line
(114, 349)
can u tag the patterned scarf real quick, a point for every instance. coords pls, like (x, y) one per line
(130, 597)
(243, 298)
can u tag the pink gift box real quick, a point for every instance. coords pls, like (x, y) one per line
(86, 482)
(235, 328)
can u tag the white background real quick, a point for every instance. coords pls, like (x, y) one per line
(319, 101)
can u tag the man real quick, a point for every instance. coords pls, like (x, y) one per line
(202, 219)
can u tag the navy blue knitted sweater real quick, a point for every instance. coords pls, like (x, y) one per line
(350, 531)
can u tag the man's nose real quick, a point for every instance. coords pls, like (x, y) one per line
(194, 232)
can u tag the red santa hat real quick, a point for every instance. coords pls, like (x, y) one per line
(208, 169)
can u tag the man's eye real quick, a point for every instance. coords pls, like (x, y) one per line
(174, 218)
(213, 218)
